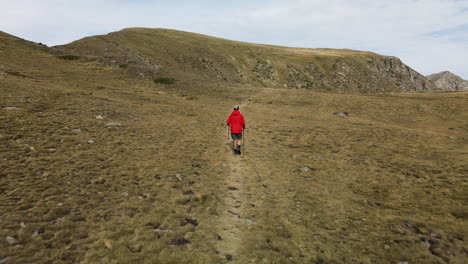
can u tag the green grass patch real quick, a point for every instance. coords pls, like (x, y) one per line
(165, 80)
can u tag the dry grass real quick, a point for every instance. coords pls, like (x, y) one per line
(388, 182)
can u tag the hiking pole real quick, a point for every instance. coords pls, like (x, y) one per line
(243, 140)
(228, 132)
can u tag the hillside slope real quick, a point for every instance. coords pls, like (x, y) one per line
(447, 81)
(193, 57)
(99, 165)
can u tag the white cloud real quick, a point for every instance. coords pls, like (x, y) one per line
(400, 28)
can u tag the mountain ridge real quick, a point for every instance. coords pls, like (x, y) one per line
(190, 56)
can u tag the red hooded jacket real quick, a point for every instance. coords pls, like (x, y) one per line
(236, 121)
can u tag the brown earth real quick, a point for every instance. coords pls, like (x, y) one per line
(387, 183)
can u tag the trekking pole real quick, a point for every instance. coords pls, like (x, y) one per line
(243, 140)
(228, 132)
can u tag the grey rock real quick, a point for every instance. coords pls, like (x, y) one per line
(344, 114)
(91, 141)
(180, 177)
(402, 262)
(162, 230)
(409, 224)
(99, 117)
(11, 108)
(448, 82)
(125, 193)
(35, 233)
(305, 169)
(4, 260)
(113, 124)
(11, 240)
(247, 221)
(77, 130)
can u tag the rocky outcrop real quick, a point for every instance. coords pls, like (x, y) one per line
(265, 72)
(154, 53)
(448, 82)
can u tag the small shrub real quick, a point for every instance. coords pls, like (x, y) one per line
(68, 57)
(165, 80)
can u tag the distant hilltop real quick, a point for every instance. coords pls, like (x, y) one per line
(190, 58)
(447, 81)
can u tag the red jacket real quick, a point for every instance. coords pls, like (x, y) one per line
(236, 121)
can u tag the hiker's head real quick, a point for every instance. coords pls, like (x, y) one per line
(236, 107)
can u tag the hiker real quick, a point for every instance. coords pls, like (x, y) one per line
(237, 123)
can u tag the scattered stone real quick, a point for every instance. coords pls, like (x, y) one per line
(196, 165)
(344, 114)
(91, 141)
(180, 177)
(99, 117)
(113, 124)
(125, 193)
(308, 178)
(59, 204)
(426, 243)
(386, 247)
(11, 108)
(247, 221)
(77, 130)
(22, 225)
(402, 262)
(35, 233)
(11, 240)
(158, 230)
(140, 198)
(435, 235)
(4, 260)
(305, 169)
(409, 224)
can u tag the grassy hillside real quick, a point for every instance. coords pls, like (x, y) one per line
(193, 57)
(101, 166)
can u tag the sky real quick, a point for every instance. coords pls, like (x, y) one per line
(428, 35)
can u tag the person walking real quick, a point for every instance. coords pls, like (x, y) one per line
(237, 124)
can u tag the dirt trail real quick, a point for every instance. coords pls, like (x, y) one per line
(237, 182)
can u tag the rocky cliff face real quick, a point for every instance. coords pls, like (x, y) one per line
(186, 56)
(447, 81)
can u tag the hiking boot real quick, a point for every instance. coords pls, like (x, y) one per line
(238, 151)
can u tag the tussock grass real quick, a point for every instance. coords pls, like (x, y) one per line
(387, 182)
